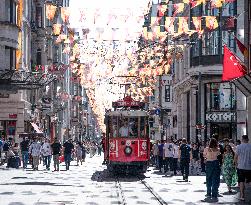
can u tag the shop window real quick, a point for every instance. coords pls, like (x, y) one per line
(11, 128)
(175, 121)
(220, 96)
(11, 11)
(10, 58)
(39, 17)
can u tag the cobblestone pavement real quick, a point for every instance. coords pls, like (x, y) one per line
(91, 184)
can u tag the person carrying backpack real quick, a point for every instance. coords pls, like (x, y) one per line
(185, 156)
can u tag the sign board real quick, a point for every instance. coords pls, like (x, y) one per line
(13, 116)
(157, 111)
(221, 117)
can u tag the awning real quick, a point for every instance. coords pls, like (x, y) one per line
(244, 84)
(36, 128)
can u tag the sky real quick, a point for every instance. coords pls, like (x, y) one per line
(114, 28)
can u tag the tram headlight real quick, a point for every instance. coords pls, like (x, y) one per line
(128, 150)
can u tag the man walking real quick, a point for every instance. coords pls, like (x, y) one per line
(160, 146)
(34, 150)
(185, 159)
(243, 163)
(68, 147)
(155, 150)
(24, 145)
(56, 150)
(168, 153)
(46, 152)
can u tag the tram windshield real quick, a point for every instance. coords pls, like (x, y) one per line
(128, 127)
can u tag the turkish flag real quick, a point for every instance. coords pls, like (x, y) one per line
(232, 68)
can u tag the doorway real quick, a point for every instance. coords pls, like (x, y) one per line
(222, 130)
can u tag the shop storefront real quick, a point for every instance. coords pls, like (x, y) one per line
(8, 127)
(221, 111)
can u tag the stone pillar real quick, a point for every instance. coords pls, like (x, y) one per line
(193, 114)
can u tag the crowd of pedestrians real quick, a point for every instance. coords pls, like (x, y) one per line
(213, 159)
(41, 151)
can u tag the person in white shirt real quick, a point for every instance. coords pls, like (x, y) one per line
(168, 153)
(34, 150)
(46, 153)
(175, 157)
(125, 130)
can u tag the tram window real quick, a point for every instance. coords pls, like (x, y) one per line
(113, 126)
(133, 124)
(128, 127)
(143, 124)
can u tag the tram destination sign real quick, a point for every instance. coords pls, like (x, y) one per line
(221, 117)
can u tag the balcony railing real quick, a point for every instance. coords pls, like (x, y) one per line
(23, 80)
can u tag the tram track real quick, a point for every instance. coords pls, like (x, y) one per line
(120, 193)
(156, 196)
(121, 196)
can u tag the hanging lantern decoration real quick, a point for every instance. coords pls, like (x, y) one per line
(211, 22)
(57, 29)
(65, 14)
(50, 11)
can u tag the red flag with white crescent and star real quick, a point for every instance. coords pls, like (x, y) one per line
(232, 66)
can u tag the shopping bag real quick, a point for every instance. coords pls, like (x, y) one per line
(61, 159)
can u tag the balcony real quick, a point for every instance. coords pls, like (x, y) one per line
(22, 80)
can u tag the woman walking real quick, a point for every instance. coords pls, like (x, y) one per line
(213, 170)
(79, 153)
(229, 171)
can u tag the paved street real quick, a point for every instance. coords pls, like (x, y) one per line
(91, 184)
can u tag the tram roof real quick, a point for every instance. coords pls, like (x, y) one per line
(128, 113)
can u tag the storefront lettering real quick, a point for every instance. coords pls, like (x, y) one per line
(221, 117)
(12, 116)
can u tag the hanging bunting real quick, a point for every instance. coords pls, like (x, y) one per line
(216, 3)
(65, 14)
(155, 21)
(178, 8)
(197, 24)
(57, 29)
(195, 3)
(161, 10)
(169, 25)
(50, 11)
(211, 22)
(183, 25)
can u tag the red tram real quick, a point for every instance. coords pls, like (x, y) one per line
(127, 143)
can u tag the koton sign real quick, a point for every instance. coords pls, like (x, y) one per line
(221, 117)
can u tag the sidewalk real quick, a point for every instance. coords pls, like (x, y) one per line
(81, 186)
(174, 191)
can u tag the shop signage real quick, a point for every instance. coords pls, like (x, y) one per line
(221, 117)
(12, 116)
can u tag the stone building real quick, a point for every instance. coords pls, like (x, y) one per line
(28, 94)
(204, 106)
(15, 36)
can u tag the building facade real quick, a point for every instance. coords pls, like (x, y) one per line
(206, 106)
